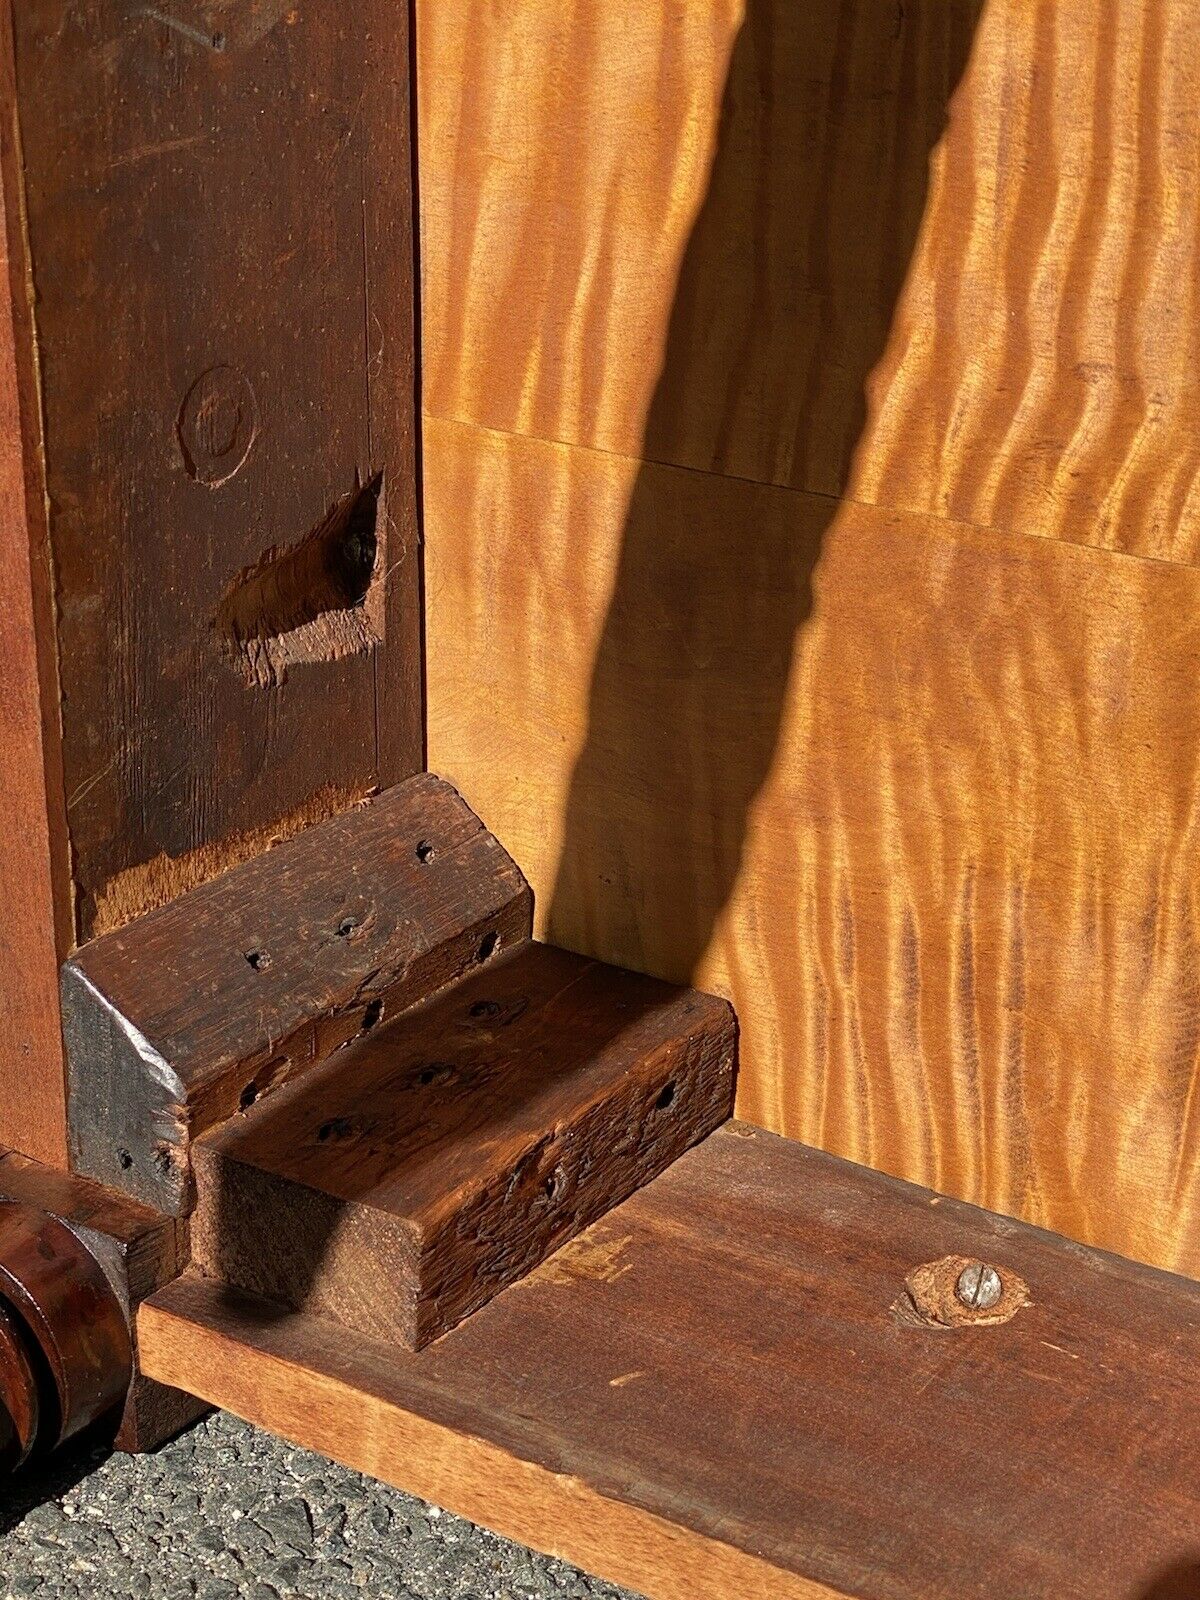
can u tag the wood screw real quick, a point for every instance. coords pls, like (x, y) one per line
(979, 1286)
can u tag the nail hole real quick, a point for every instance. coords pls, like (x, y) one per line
(125, 1159)
(248, 1095)
(258, 959)
(425, 852)
(435, 1072)
(372, 1015)
(488, 945)
(346, 927)
(665, 1097)
(335, 1128)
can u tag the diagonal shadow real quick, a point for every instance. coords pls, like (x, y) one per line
(784, 304)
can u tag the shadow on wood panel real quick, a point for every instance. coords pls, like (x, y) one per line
(674, 689)
(837, 196)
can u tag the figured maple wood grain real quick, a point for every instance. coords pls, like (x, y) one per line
(720, 1390)
(415, 1174)
(699, 233)
(920, 799)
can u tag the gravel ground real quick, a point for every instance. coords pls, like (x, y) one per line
(228, 1513)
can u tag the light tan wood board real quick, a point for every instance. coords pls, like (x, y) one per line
(697, 233)
(870, 701)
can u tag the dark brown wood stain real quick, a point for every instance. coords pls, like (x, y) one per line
(192, 1012)
(403, 1183)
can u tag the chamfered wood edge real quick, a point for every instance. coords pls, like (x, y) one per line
(199, 1335)
(135, 1108)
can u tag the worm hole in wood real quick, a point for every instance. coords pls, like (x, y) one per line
(260, 960)
(425, 852)
(488, 946)
(665, 1096)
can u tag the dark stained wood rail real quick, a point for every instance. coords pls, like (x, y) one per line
(736, 1384)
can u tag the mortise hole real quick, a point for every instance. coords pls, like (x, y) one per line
(125, 1159)
(307, 601)
(665, 1097)
(258, 959)
(346, 927)
(372, 1015)
(425, 852)
(488, 946)
(248, 1095)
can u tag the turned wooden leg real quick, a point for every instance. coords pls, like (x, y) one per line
(75, 1263)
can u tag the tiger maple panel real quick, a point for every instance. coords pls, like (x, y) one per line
(921, 799)
(939, 256)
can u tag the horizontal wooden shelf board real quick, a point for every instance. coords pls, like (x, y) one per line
(724, 1387)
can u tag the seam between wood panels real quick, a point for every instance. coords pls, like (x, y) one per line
(884, 508)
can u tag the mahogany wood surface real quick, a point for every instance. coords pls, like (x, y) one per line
(79, 1327)
(20, 1401)
(724, 1388)
(35, 925)
(400, 1185)
(811, 510)
(189, 1014)
(137, 1250)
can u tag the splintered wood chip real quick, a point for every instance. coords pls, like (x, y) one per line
(935, 1300)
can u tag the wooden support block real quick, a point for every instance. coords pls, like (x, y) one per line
(727, 1387)
(138, 1251)
(400, 1185)
(192, 1012)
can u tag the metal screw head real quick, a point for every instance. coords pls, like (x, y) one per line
(979, 1286)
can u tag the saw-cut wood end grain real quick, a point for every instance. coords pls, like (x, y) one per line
(201, 1007)
(397, 1188)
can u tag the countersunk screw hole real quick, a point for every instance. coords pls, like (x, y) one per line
(488, 945)
(248, 1095)
(425, 852)
(346, 927)
(372, 1015)
(665, 1097)
(125, 1159)
(258, 959)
